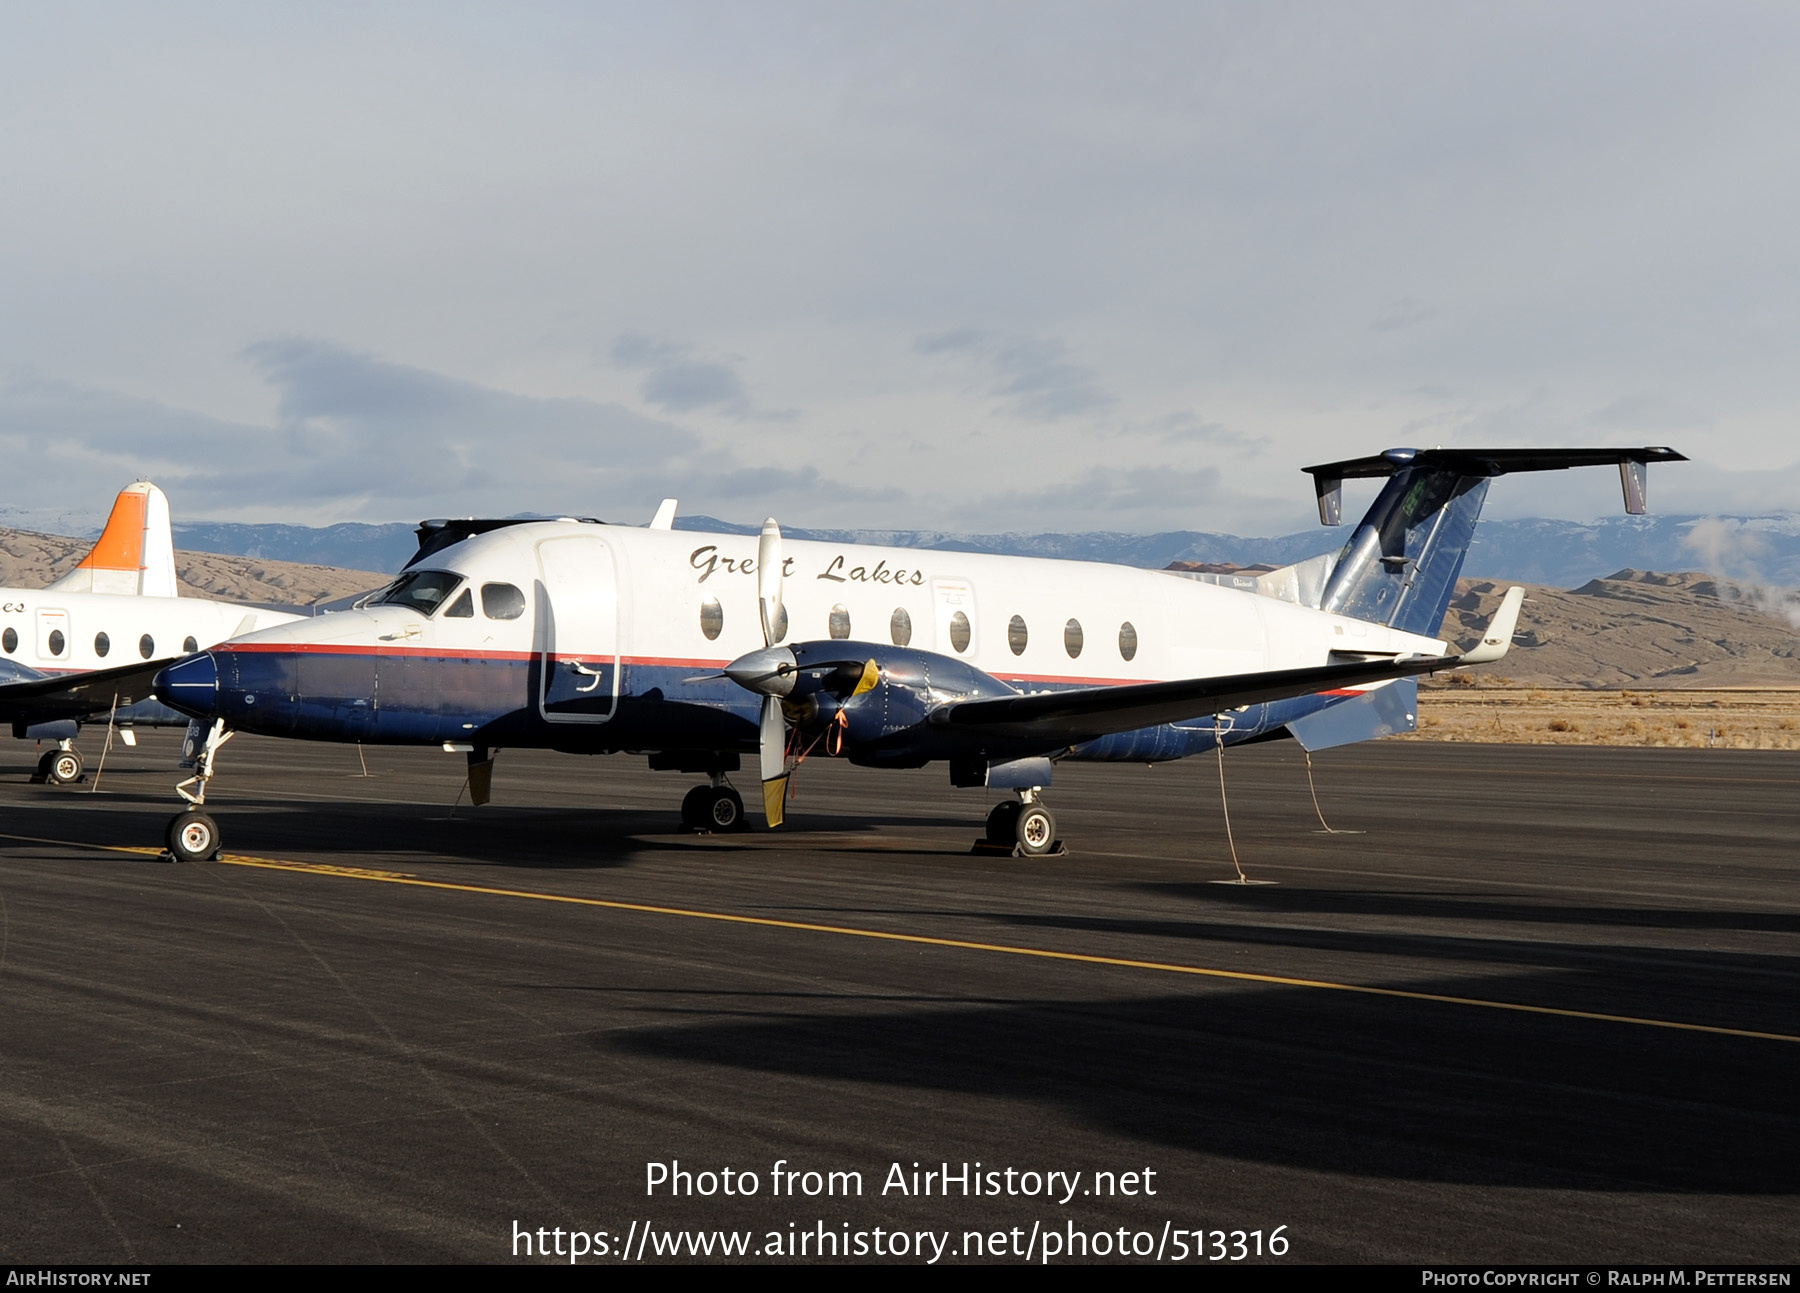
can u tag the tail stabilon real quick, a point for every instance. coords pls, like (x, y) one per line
(135, 554)
(1400, 566)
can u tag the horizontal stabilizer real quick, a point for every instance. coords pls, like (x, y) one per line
(1328, 478)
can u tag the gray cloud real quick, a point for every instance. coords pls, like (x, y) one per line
(1535, 223)
(1401, 313)
(676, 381)
(1033, 375)
(1192, 429)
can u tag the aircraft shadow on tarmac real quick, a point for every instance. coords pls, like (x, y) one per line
(552, 837)
(1327, 1081)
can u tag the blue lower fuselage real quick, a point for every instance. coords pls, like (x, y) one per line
(388, 697)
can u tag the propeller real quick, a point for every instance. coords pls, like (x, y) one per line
(770, 676)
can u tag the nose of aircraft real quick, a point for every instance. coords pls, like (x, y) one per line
(190, 685)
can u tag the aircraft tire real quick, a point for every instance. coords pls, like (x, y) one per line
(725, 811)
(1003, 823)
(63, 767)
(694, 807)
(193, 837)
(1036, 831)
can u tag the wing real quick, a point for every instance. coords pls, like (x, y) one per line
(1093, 712)
(79, 694)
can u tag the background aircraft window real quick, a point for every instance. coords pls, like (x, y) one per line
(56, 642)
(1127, 640)
(501, 602)
(900, 626)
(9, 641)
(102, 644)
(146, 646)
(1072, 638)
(1016, 636)
(712, 618)
(424, 590)
(959, 631)
(189, 645)
(840, 621)
(781, 623)
(463, 608)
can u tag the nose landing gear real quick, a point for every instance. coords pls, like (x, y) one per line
(192, 835)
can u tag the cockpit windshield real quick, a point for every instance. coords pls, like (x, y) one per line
(422, 590)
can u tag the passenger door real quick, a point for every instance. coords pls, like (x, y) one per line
(577, 630)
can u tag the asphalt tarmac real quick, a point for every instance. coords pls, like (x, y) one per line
(1529, 1004)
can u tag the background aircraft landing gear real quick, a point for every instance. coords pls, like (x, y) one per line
(193, 837)
(717, 808)
(62, 766)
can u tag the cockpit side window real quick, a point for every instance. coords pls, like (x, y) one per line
(502, 602)
(463, 608)
(422, 590)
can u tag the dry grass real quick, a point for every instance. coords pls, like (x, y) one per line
(1736, 719)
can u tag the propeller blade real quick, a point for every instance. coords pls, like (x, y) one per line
(773, 758)
(768, 579)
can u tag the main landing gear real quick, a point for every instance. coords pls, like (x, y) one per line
(62, 766)
(192, 835)
(1021, 827)
(716, 808)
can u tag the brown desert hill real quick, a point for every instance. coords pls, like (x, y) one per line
(1635, 628)
(30, 560)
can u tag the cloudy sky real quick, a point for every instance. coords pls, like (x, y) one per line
(975, 266)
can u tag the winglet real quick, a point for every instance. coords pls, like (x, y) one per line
(665, 516)
(1498, 636)
(135, 553)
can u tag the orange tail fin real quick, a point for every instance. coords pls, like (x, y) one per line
(135, 554)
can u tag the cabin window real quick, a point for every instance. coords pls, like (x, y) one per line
(839, 624)
(781, 623)
(712, 618)
(1127, 640)
(9, 641)
(959, 632)
(189, 645)
(502, 602)
(146, 646)
(1016, 636)
(900, 627)
(463, 608)
(102, 644)
(1072, 638)
(422, 590)
(56, 643)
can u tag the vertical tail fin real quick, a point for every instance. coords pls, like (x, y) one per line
(135, 553)
(1400, 566)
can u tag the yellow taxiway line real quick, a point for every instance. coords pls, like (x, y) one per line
(927, 940)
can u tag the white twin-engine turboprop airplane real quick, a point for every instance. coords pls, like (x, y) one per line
(61, 645)
(697, 649)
